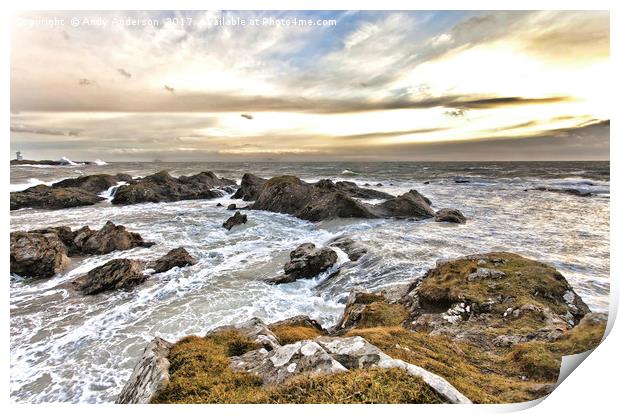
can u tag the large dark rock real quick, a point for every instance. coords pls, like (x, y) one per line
(306, 262)
(93, 183)
(235, 220)
(105, 240)
(326, 200)
(178, 257)
(86, 241)
(251, 186)
(162, 186)
(354, 190)
(115, 274)
(409, 205)
(44, 197)
(450, 215)
(37, 254)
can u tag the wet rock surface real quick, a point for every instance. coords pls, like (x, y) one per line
(450, 215)
(37, 254)
(115, 274)
(236, 220)
(326, 199)
(162, 187)
(569, 191)
(250, 188)
(96, 183)
(178, 257)
(48, 198)
(307, 261)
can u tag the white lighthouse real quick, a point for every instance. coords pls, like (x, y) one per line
(19, 156)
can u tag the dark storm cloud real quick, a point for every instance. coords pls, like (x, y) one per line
(590, 142)
(215, 102)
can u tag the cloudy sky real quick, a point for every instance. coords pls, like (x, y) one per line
(359, 86)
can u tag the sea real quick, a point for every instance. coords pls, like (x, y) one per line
(65, 347)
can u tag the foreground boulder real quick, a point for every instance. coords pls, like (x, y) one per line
(115, 274)
(307, 261)
(236, 220)
(178, 257)
(48, 198)
(162, 186)
(450, 215)
(522, 299)
(37, 254)
(327, 200)
(232, 361)
(251, 186)
(149, 375)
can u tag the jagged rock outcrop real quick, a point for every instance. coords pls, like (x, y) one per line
(307, 261)
(71, 192)
(48, 198)
(45, 252)
(37, 254)
(109, 238)
(356, 191)
(326, 200)
(95, 184)
(113, 275)
(236, 220)
(250, 188)
(178, 257)
(150, 374)
(162, 186)
(450, 215)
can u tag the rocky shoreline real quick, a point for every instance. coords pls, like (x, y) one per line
(497, 334)
(484, 328)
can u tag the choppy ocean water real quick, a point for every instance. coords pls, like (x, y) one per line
(65, 347)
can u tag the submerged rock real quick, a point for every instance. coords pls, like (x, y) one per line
(251, 186)
(236, 220)
(37, 254)
(162, 186)
(178, 257)
(569, 191)
(115, 274)
(306, 262)
(44, 197)
(352, 248)
(450, 215)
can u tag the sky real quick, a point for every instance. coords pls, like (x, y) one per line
(311, 85)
